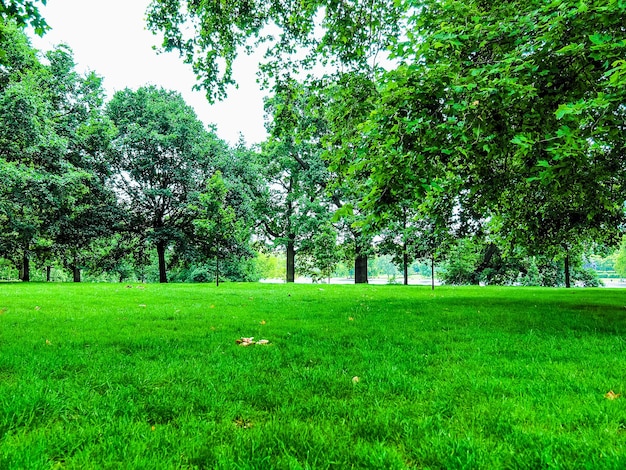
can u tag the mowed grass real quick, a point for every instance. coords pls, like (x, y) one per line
(106, 376)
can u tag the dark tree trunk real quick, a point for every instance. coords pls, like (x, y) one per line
(360, 269)
(48, 273)
(291, 259)
(405, 265)
(360, 266)
(162, 269)
(432, 272)
(25, 274)
(567, 273)
(405, 255)
(217, 271)
(76, 273)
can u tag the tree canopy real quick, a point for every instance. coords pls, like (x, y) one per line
(488, 134)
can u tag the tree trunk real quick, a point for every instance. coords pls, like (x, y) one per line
(76, 273)
(567, 273)
(432, 272)
(161, 254)
(360, 266)
(291, 258)
(405, 255)
(25, 274)
(217, 271)
(405, 266)
(48, 273)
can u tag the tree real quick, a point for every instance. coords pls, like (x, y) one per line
(519, 101)
(162, 157)
(79, 120)
(296, 204)
(44, 181)
(220, 231)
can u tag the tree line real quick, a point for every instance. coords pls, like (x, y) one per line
(487, 137)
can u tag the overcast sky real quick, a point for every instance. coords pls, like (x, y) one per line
(110, 38)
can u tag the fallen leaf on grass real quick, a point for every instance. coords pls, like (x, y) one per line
(48, 343)
(611, 395)
(242, 423)
(37, 307)
(142, 305)
(250, 341)
(3, 311)
(350, 318)
(245, 341)
(211, 306)
(263, 322)
(356, 379)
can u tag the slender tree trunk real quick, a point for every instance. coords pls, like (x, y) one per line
(25, 274)
(48, 273)
(432, 272)
(161, 254)
(405, 265)
(217, 271)
(567, 273)
(405, 255)
(291, 258)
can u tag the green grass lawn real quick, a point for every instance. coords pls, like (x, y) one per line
(106, 376)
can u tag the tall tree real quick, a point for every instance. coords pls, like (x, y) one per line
(521, 101)
(296, 174)
(45, 182)
(162, 156)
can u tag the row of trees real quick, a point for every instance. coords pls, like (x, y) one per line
(439, 118)
(407, 126)
(93, 185)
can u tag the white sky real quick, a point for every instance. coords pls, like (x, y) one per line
(110, 38)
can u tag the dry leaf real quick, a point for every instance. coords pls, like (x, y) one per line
(263, 322)
(37, 307)
(350, 318)
(245, 341)
(355, 379)
(48, 343)
(142, 305)
(262, 341)
(153, 428)
(242, 423)
(3, 311)
(611, 395)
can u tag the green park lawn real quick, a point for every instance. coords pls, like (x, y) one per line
(114, 376)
